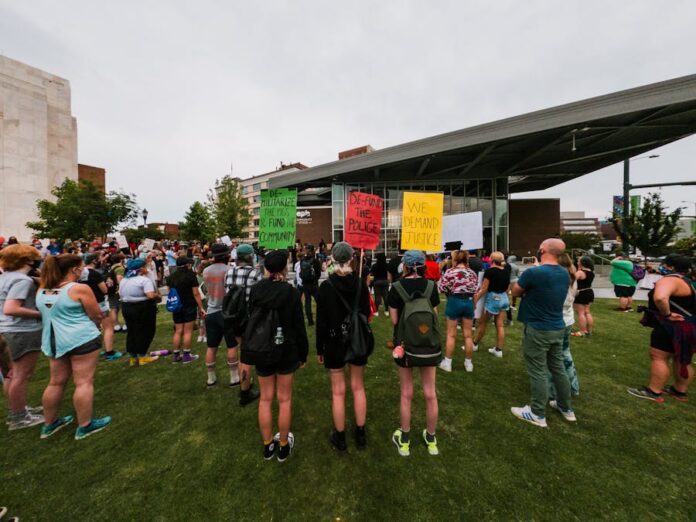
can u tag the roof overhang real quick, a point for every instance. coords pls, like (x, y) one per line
(536, 150)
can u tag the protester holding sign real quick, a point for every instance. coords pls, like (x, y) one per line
(339, 295)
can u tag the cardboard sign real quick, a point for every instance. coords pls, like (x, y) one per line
(467, 228)
(363, 220)
(226, 240)
(421, 225)
(149, 244)
(121, 241)
(277, 218)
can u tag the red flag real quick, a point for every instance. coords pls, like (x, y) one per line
(363, 220)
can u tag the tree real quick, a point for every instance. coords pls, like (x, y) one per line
(82, 211)
(686, 246)
(150, 232)
(197, 223)
(580, 241)
(651, 229)
(228, 207)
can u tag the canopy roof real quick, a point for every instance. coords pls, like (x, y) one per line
(537, 150)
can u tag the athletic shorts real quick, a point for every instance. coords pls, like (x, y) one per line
(660, 339)
(459, 307)
(114, 303)
(281, 368)
(89, 347)
(21, 343)
(185, 315)
(215, 331)
(624, 290)
(495, 302)
(584, 297)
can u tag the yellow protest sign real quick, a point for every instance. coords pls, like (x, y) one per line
(421, 224)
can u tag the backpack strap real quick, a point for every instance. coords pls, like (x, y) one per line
(428, 290)
(402, 292)
(343, 299)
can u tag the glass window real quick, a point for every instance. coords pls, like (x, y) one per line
(487, 239)
(485, 187)
(501, 212)
(337, 214)
(256, 187)
(245, 189)
(471, 188)
(256, 222)
(502, 239)
(255, 211)
(501, 187)
(337, 192)
(486, 206)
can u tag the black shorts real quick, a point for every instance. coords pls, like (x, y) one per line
(584, 297)
(624, 290)
(281, 368)
(185, 315)
(335, 355)
(661, 340)
(215, 331)
(89, 347)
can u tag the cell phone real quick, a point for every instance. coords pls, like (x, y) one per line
(528, 260)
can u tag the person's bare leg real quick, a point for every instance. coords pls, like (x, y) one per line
(357, 386)
(481, 329)
(406, 380)
(659, 369)
(589, 320)
(338, 399)
(582, 321)
(467, 329)
(267, 386)
(500, 331)
(53, 394)
(284, 396)
(22, 370)
(233, 365)
(108, 328)
(428, 376)
(187, 334)
(681, 384)
(451, 338)
(176, 338)
(83, 368)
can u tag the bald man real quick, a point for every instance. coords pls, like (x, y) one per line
(544, 289)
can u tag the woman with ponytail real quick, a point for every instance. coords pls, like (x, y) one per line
(71, 340)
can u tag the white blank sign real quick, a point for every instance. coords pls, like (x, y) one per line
(467, 228)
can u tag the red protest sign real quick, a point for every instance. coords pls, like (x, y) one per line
(363, 220)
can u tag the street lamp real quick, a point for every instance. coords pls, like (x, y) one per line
(145, 213)
(627, 189)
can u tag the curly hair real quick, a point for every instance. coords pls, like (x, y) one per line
(16, 256)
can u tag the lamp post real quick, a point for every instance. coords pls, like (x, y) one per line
(627, 189)
(145, 213)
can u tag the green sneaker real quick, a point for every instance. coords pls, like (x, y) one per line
(56, 425)
(403, 447)
(93, 427)
(432, 446)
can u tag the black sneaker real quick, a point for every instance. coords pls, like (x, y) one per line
(338, 440)
(676, 394)
(269, 450)
(248, 396)
(646, 393)
(285, 451)
(360, 437)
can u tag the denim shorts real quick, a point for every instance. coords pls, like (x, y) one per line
(495, 302)
(459, 307)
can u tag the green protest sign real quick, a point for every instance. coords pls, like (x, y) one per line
(277, 218)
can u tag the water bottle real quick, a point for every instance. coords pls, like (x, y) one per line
(279, 338)
(160, 353)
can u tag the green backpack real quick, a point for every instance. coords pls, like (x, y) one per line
(418, 329)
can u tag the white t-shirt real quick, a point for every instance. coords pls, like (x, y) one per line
(568, 317)
(133, 289)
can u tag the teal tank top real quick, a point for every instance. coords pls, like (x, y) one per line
(66, 325)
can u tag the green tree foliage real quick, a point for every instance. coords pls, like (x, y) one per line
(151, 232)
(652, 228)
(580, 241)
(229, 209)
(686, 246)
(197, 223)
(82, 211)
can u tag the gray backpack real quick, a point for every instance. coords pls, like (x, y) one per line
(418, 329)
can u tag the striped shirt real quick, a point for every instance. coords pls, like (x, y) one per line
(246, 276)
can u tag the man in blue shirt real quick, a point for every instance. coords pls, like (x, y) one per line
(544, 289)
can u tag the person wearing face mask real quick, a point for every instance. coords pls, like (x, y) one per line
(671, 313)
(71, 340)
(20, 327)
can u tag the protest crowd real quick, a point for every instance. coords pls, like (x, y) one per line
(70, 299)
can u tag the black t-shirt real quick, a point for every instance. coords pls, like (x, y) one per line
(393, 267)
(184, 281)
(411, 286)
(379, 271)
(498, 279)
(94, 279)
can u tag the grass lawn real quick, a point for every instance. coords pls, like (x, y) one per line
(177, 451)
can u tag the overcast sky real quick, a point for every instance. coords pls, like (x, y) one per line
(169, 94)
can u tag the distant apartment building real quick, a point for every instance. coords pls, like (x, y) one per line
(251, 190)
(577, 223)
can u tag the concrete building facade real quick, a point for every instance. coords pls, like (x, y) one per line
(38, 142)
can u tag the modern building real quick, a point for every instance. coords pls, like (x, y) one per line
(576, 223)
(482, 167)
(687, 228)
(38, 142)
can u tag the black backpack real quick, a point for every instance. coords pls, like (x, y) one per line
(261, 344)
(235, 314)
(355, 333)
(307, 273)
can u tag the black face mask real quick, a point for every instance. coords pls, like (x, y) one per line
(36, 264)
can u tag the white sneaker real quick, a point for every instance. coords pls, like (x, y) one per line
(386, 314)
(496, 352)
(568, 415)
(525, 413)
(475, 347)
(204, 339)
(468, 365)
(198, 339)
(446, 365)
(24, 421)
(117, 328)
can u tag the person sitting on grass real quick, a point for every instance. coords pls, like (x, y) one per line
(275, 297)
(71, 340)
(672, 316)
(410, 287)
(459, 283)
(339, 290)
(493, 291)
(185, 282)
